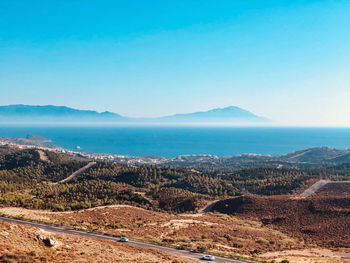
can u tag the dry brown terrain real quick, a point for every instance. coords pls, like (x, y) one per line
(43, 156)
(217, 232)
(335, 189)
(213, 231)
(22, 244)
(310, 230)
(322, 221)
(312, 255)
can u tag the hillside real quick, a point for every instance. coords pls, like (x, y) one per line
(160, 203)
(318, 155)
(214, 232)
(324, 221)
(22, 244)
(315, 157)
(199, 232)
(29, 181)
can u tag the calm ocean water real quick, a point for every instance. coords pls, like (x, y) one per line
(174, 141)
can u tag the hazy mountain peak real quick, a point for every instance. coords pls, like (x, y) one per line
(51, 113)
(230, 113)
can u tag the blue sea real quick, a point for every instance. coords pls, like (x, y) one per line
(174, 141)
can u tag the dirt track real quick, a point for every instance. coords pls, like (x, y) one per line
(318, 185)
(314, 188)
(208, 207)
(78, 172)
(43, 155)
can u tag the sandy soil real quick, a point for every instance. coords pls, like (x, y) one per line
(18, 211)
(185, 223)
(43, 155)
(313, 255)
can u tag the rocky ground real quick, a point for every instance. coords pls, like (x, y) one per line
(25, 244)
(213, 231)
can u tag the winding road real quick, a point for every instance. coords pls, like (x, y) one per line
(67, 231)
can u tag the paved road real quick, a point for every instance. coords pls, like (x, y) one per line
(66, 231)
(77, 172)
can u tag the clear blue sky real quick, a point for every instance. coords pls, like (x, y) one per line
(287, 60)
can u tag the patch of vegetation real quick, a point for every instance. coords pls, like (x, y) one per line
(27, 181)
(178, 200)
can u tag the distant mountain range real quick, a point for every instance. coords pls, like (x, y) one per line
(62, 114)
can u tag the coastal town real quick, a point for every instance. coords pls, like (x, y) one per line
(25, 143)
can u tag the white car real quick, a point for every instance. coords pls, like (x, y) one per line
(123, 239)
(208, 257)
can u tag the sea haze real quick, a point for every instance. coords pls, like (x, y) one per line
(174, 141)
